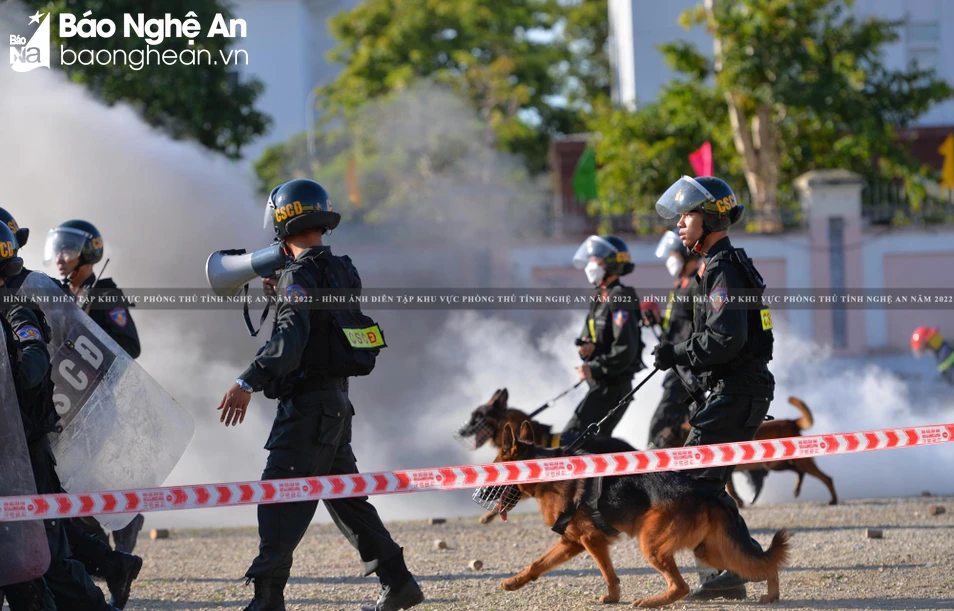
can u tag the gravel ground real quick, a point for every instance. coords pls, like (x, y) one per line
(834, 565)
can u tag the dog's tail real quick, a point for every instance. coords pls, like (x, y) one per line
(741, 557)
(807, 420)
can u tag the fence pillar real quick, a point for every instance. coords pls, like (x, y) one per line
(831, 201)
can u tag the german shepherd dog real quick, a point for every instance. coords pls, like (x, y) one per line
(780, 429)
(664, 511)
(488, 421)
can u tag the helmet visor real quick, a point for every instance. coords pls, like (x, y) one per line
(668, 243)
(64, 241)
(682, 197)
(593, 246)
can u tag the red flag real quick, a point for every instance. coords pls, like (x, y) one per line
(701, 159)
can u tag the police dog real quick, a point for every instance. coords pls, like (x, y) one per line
(488, 422)
(780, 429)
(663, 510)
(776, 429)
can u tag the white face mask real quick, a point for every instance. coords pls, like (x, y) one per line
(674, 265)
(594, 273)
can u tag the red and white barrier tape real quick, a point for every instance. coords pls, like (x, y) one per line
(22, 508)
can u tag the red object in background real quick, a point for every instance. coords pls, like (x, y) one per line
(921, 337)
(701, 159)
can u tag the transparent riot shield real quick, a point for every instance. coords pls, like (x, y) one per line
(120, 428)
(24, 550)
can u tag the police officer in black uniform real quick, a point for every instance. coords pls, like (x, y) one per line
(118, 568)
(311, 435)
(731, 344)
(610, 343)
(66, 585)
(676, 325)
(75, 247)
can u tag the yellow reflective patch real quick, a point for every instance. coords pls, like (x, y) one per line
(766, 319)
(555, 441)
(592, 331)
(369, 337)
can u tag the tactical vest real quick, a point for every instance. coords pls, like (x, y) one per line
(329, 351)
(599, 323)
(677, 320)
(760, 339)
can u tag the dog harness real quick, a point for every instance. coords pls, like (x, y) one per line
(592, 491)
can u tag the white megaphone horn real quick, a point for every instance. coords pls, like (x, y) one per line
(229, 270)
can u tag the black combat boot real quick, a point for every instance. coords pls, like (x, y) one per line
(122, 570)
(726, 585)
(30, 596)
(125, 538)
(269, 594)
(399, 590)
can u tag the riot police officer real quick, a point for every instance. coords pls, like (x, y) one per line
(66, 585)
(731, 344)
(118, 568)
(75, 247)
(610, 343)
(311, 436)
(676, 324)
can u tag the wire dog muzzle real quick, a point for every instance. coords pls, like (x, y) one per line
(499, 499)
(474, 432)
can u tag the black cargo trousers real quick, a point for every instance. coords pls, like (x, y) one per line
(726, 417)
(311, 436)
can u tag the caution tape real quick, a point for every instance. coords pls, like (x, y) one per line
(22, 508)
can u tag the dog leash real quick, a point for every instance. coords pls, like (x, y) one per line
(594, 427)
(554, 400)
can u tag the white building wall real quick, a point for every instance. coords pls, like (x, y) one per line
(286, 43)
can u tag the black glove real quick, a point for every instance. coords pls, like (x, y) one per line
(665, 354)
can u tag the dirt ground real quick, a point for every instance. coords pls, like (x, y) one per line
(834, 564)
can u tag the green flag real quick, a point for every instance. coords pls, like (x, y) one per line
(584, 177)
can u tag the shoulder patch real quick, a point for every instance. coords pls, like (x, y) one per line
(717, 298)
(29, 332)
(120, 316)
(294, 293)
(620, 317)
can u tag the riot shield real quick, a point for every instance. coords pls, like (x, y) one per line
(120, 428)
(24, 550)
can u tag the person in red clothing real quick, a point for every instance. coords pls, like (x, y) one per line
(929, 338)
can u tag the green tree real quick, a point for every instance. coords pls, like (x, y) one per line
(792, 85)
(515, 61)
(806, 86)
(202, 102)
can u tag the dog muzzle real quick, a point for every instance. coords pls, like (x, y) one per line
(472, 434)
(499, 499)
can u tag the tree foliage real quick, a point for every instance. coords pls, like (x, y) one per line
(803, 84)
(525, 65)
(200, 102)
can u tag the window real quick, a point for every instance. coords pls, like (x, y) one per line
(921, 32)
(924, 57)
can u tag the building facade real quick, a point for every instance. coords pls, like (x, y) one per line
(287, 42)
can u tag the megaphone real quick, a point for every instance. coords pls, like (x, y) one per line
(229, 270)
